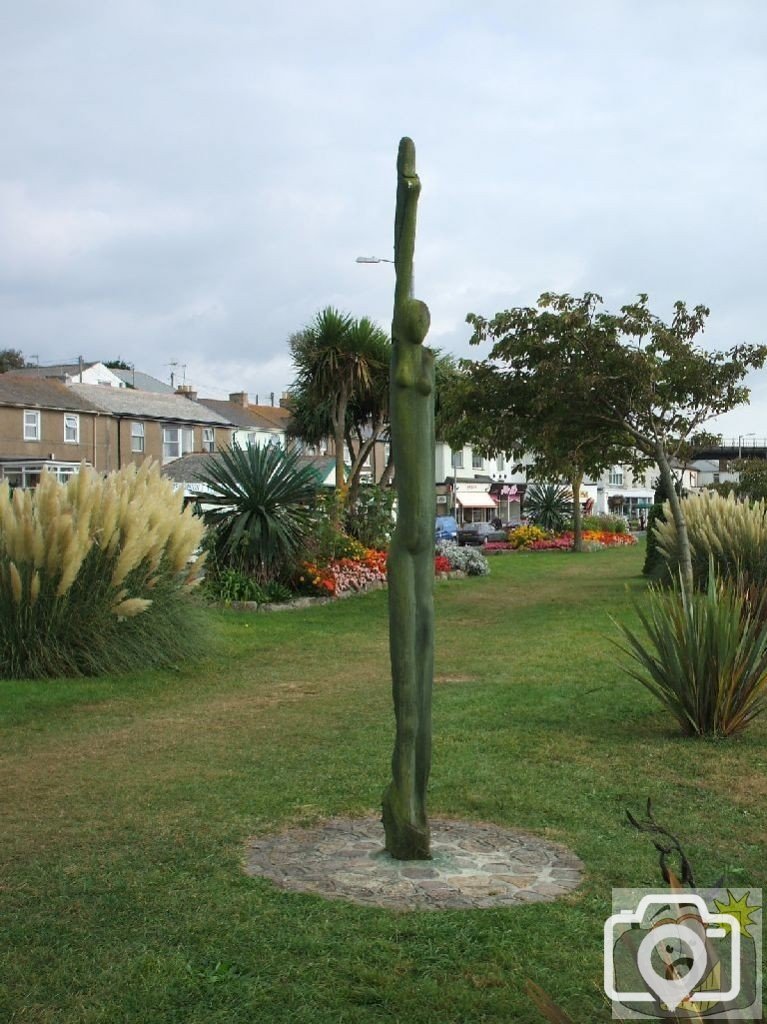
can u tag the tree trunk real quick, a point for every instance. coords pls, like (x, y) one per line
(339, 423)
(388, 474)
(358, 461)
(411, 554)
(685, 552)
(575, 483)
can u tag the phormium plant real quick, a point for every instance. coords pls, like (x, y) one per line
(704, 656)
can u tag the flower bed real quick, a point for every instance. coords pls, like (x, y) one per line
(344, 575)
(533, 539)
(349, 575)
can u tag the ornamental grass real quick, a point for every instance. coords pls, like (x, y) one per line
(94, 574)
(703, 655)
(728, 533)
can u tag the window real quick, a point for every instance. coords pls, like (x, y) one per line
(477, 462)
(31, 425)
(500, 463)
(176, 441)
(71, 428)
(171, 443)
(616, 476)
(208, 439)
(136, 436)
(458, 459)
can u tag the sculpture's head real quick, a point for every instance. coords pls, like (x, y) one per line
(406, 158)
(417, 321)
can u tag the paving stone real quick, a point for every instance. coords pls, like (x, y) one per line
(474, 865)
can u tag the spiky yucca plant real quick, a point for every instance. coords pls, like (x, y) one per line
(732, 534)
(549, 506)
(91, 572)
(703, 656)
(262, 498)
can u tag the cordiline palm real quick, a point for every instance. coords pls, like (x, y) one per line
(549, 506)
(263, 500)
(336, 357)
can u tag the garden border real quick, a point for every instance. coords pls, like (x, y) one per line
(311, 602)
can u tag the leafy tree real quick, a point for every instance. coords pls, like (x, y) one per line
(651, 379)
(262, 513)
(752, 479)
(627, 379)
(339, 363)
(11, 359)
(117, 364)
(530, 397)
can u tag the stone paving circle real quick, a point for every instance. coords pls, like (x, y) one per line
(474, 865)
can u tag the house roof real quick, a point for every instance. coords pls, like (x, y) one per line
(55, 370)
(188, 468)
(43, 393)
(143, 381)
(273, 415)
(147, 405)
(323, 465)
(244, 416)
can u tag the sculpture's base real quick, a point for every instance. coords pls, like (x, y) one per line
(403, 840)
(473, 865)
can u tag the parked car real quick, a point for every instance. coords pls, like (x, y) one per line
(446, 528)
(476, 534)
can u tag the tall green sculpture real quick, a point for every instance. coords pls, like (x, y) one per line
(411, 555)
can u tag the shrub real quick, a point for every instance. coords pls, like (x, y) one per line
(328, 540)
(604, 524)
(93, 574)
(467, 559)
(232, 585)
(654, 562)
(725, 532)
(549, 506)
(706, 659)
(262, 513)
(370, 518)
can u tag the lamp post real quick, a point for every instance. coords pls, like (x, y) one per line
(740, 443)
(372, 259)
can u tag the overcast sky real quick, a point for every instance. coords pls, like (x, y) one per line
(191, 181)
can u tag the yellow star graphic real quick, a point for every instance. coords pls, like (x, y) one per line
(740, 909)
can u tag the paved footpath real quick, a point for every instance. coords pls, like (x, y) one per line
(474, 865)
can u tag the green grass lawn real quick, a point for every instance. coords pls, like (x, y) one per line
(125, 804)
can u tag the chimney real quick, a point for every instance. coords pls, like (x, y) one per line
(285, 400)
(186, 391)
(239, 398)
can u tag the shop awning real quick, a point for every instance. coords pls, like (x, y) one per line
(476, 501)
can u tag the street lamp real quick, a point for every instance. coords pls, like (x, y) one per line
(372, 259)
(740, 442)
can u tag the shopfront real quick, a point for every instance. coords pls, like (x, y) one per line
(474, 504)
(508, 498)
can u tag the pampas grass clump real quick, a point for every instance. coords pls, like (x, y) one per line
(94, 574)
(730, 533)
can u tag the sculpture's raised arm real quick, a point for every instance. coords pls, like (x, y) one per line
(408, 190)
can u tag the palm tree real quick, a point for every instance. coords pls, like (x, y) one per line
(263, 508)
(339, 361)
